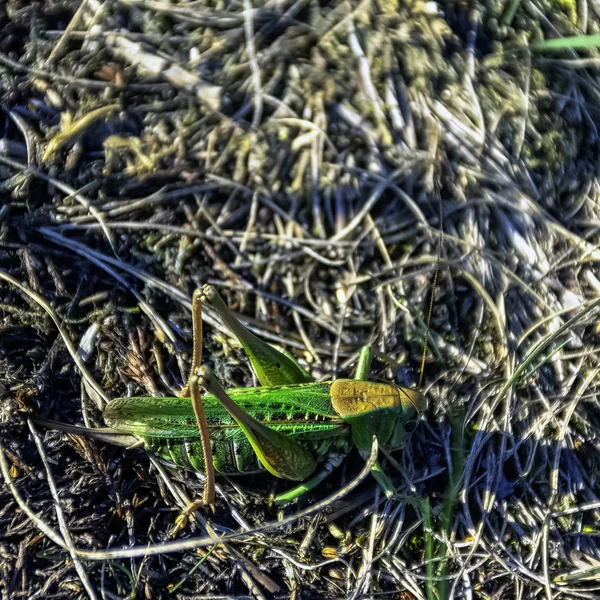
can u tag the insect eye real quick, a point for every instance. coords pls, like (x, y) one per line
(410, 425)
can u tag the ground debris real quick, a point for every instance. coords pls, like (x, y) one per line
(298, 156)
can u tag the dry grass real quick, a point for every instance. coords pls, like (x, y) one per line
(297, 156)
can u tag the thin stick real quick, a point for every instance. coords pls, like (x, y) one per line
(67, 189)
(60, 516)
(190, 543)
(432, 298)
(256, 82)
(65, 336)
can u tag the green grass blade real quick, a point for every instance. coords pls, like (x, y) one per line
(510, 13)
(576, 42)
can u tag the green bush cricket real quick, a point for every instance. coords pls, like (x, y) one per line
(286, 426)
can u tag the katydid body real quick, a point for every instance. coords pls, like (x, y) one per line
(168, 425)
(287, 426)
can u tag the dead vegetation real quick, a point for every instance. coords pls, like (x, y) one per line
(297, 155)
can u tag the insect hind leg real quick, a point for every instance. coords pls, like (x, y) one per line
(271, 366)
(279, 453)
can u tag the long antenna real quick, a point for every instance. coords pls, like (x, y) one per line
(432, 298)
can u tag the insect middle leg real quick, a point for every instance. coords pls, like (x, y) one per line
(333, 462)
(363, 370)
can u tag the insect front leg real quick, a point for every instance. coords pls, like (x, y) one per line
(271, 366)
(363, 365)
(197, 338)
(281, 455)
(196, 391)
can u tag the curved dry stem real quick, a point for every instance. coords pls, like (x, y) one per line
(189, 544)
(65, 336)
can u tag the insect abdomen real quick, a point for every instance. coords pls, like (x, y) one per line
(236, 456)
(229, 457)
(168, 426)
